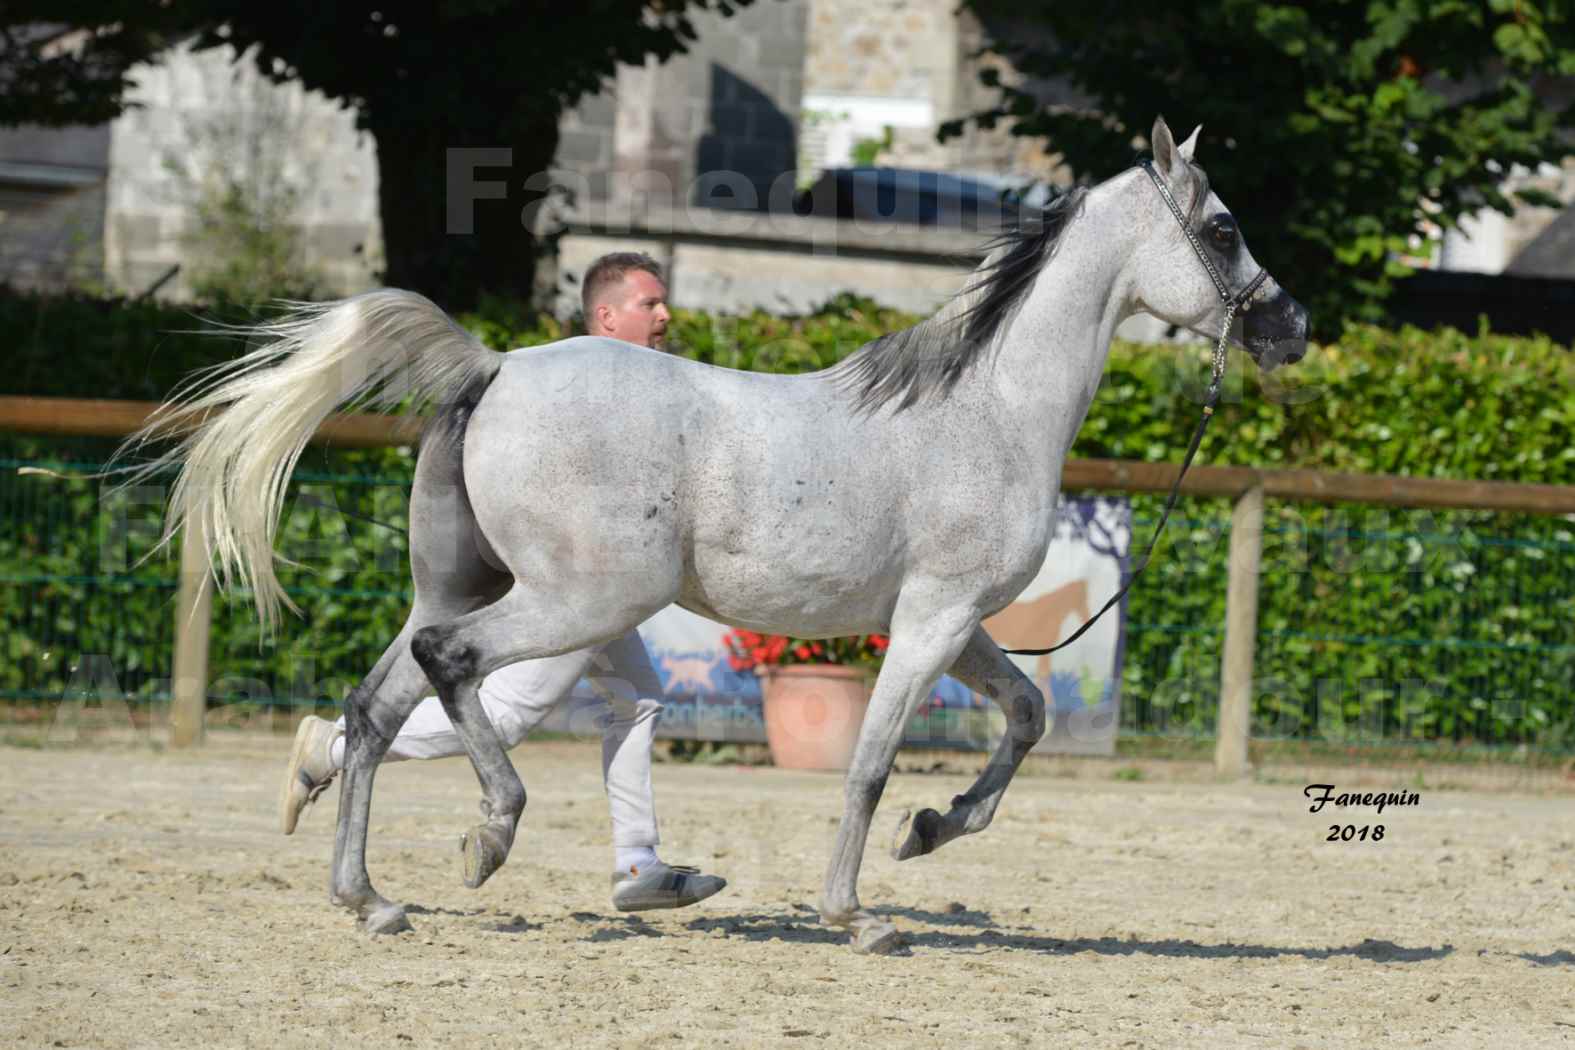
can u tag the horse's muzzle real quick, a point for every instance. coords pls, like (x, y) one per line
(1275, 331)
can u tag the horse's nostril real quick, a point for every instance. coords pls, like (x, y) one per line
(1283, 352)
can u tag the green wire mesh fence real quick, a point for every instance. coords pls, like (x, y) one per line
(1375, 626)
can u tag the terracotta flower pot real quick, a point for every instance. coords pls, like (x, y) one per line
(813, 713)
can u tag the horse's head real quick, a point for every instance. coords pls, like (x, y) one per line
(1194, 261)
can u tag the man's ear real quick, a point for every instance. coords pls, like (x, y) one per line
(600, 320)
(1164, 146)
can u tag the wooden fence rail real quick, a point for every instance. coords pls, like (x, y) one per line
(86, 418)
(1248, 486)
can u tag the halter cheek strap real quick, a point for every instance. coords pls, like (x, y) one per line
(1241, 301)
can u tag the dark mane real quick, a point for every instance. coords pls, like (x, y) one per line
(928, 359)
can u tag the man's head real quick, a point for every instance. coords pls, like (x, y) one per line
(624, 297)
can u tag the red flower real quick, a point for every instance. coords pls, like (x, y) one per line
(750, 650)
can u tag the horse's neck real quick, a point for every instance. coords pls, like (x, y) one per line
(1053, 352)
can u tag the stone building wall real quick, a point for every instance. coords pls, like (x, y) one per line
(735, 262)
(715, 127)
(1542, 240)
(908, 65)
(203, 112)
(52, 206)
(1533, 242)
(877, 64)
(997, 149)
(713, 130)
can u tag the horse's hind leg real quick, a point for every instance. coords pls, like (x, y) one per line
(452, 577)
(458, 654)
(986, 670)
(374, 711)
(485, 846)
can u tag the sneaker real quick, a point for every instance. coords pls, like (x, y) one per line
(662, 885)
(311, 769)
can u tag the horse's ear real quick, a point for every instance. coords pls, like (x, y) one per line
(1164, 147)
(1187, 147)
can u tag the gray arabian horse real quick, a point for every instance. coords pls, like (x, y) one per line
(563, 494)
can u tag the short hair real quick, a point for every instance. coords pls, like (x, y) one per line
(608, 271)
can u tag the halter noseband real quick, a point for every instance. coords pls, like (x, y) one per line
(1242, 300)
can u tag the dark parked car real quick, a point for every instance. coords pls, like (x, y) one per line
(921, 198)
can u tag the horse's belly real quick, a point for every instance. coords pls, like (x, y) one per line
(810, 591)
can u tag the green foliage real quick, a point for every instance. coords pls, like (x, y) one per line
(246, 250)
(116, 348)
(1336, 132)
(762, 342)
(1432, 404)
(54, 73)
(76, 583)
(1373, 622)
(866, 152)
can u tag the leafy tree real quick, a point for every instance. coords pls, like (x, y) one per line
(66, 62)
(1337, 130)
(423, 76)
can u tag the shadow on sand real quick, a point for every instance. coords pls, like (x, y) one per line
(1558, 958)
(457, 913)
(976, 931)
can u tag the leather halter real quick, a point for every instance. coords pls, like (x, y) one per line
(1241, 301)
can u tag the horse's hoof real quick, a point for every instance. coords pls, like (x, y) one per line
(915, 834)
(876, 938)
(390, 918)
(484, 853)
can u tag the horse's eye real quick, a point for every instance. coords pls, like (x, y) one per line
(1223, 233)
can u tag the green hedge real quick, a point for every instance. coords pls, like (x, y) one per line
(1438, 404)
(1374, 622)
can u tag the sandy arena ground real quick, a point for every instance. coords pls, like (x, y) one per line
(147, 901)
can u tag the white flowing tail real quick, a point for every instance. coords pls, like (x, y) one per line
(243, 424)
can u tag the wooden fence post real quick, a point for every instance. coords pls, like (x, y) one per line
(1241, 634)
(193, 608)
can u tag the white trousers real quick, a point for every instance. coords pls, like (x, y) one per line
(516, 698)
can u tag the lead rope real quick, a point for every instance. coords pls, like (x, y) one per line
(1170, 503)
(1240, 301)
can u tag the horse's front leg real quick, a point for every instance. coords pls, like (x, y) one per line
(986, 670)
(922, 646)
